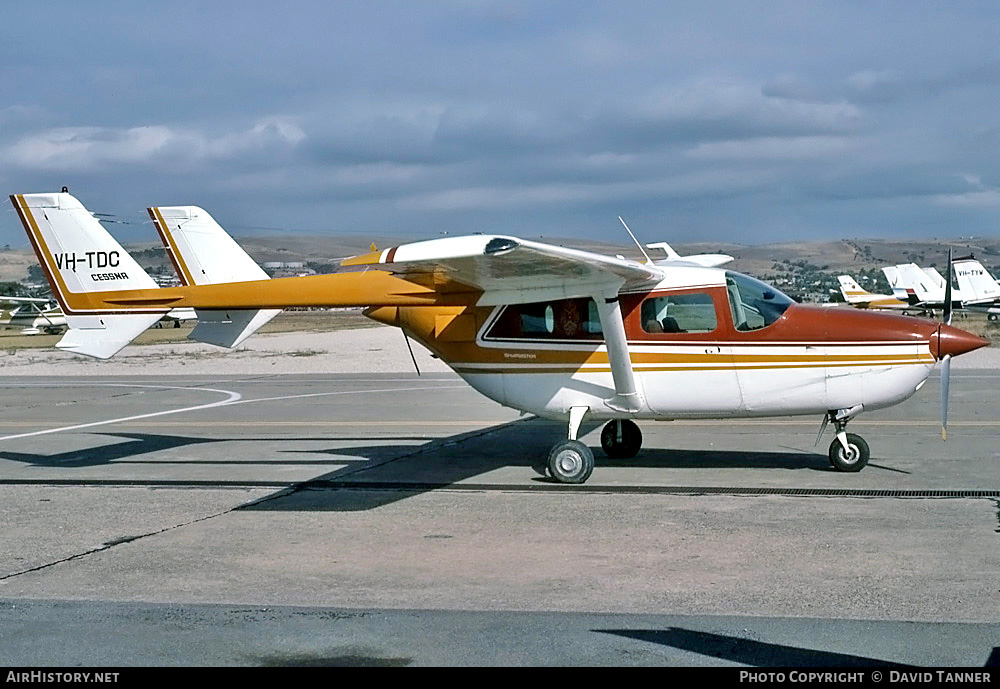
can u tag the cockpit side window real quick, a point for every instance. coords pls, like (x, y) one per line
(565, 319)
(679, 313)
(754, 304)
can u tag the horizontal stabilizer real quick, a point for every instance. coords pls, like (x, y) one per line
(104, 336)
(229, 328)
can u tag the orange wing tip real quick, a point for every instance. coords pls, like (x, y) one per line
(369, 259)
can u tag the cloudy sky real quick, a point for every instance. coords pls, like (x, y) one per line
(743, 121)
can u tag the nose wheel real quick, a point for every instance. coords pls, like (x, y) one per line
(852, 458)
(848, 451)
(621, 439)
(570, 461)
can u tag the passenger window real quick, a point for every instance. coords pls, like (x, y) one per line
(679, 313)
(566, 319)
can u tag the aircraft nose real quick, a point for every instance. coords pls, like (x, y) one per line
(951, 340)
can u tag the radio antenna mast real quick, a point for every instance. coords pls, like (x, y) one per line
(648, 259)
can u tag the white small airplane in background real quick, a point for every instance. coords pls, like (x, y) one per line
(858, 296)
(44, 316)
(560, 333)
(919, 287)
(981, 289)
(925, 287)
(35, 315)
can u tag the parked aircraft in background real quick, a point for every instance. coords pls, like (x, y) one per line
(561, 333)
(856, 295)
(35, 315)
(925, 287)
(981, 290)
(44, 316)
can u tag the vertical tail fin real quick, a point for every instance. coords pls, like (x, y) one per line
(852, 291)
(80, 258)
(204, 254)
(975, 282)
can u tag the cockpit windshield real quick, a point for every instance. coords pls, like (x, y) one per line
(755, 305)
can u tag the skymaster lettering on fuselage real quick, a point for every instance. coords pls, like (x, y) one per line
(89, 259)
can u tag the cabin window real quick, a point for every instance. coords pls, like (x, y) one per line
(565, 319)
(679, 313)
(754, 304)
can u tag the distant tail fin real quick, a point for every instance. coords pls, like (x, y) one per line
(707, 260)
(852, 291)
(923, 286)
(79, 258)
(975, 282)
(204, 254)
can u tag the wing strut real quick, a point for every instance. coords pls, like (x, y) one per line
(627, 396)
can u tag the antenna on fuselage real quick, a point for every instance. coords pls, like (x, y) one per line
(648, 259)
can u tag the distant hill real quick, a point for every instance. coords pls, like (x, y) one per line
(796, 266)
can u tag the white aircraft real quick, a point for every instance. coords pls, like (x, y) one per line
(35, 315)
(557, 332)
(44, 316)
(925, 287)
(981, 290)
(858, 296)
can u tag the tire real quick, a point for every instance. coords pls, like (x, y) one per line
(571, 462)
(540, 467)
(625, 447)
(992, 317)
(856, 460)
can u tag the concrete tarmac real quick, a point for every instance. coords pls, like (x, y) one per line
(390, 519)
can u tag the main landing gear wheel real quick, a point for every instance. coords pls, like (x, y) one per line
(856, 456)
(621, 439)
(571, 462)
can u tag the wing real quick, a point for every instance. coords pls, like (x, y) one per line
(511, 270)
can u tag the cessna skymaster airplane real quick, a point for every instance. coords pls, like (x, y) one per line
(560, 333)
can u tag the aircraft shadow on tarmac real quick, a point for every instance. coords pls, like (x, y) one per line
(447, 461)
(747, 651)
(391, 468)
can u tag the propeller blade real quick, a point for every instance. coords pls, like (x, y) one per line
(945, 382)
(947, 290)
